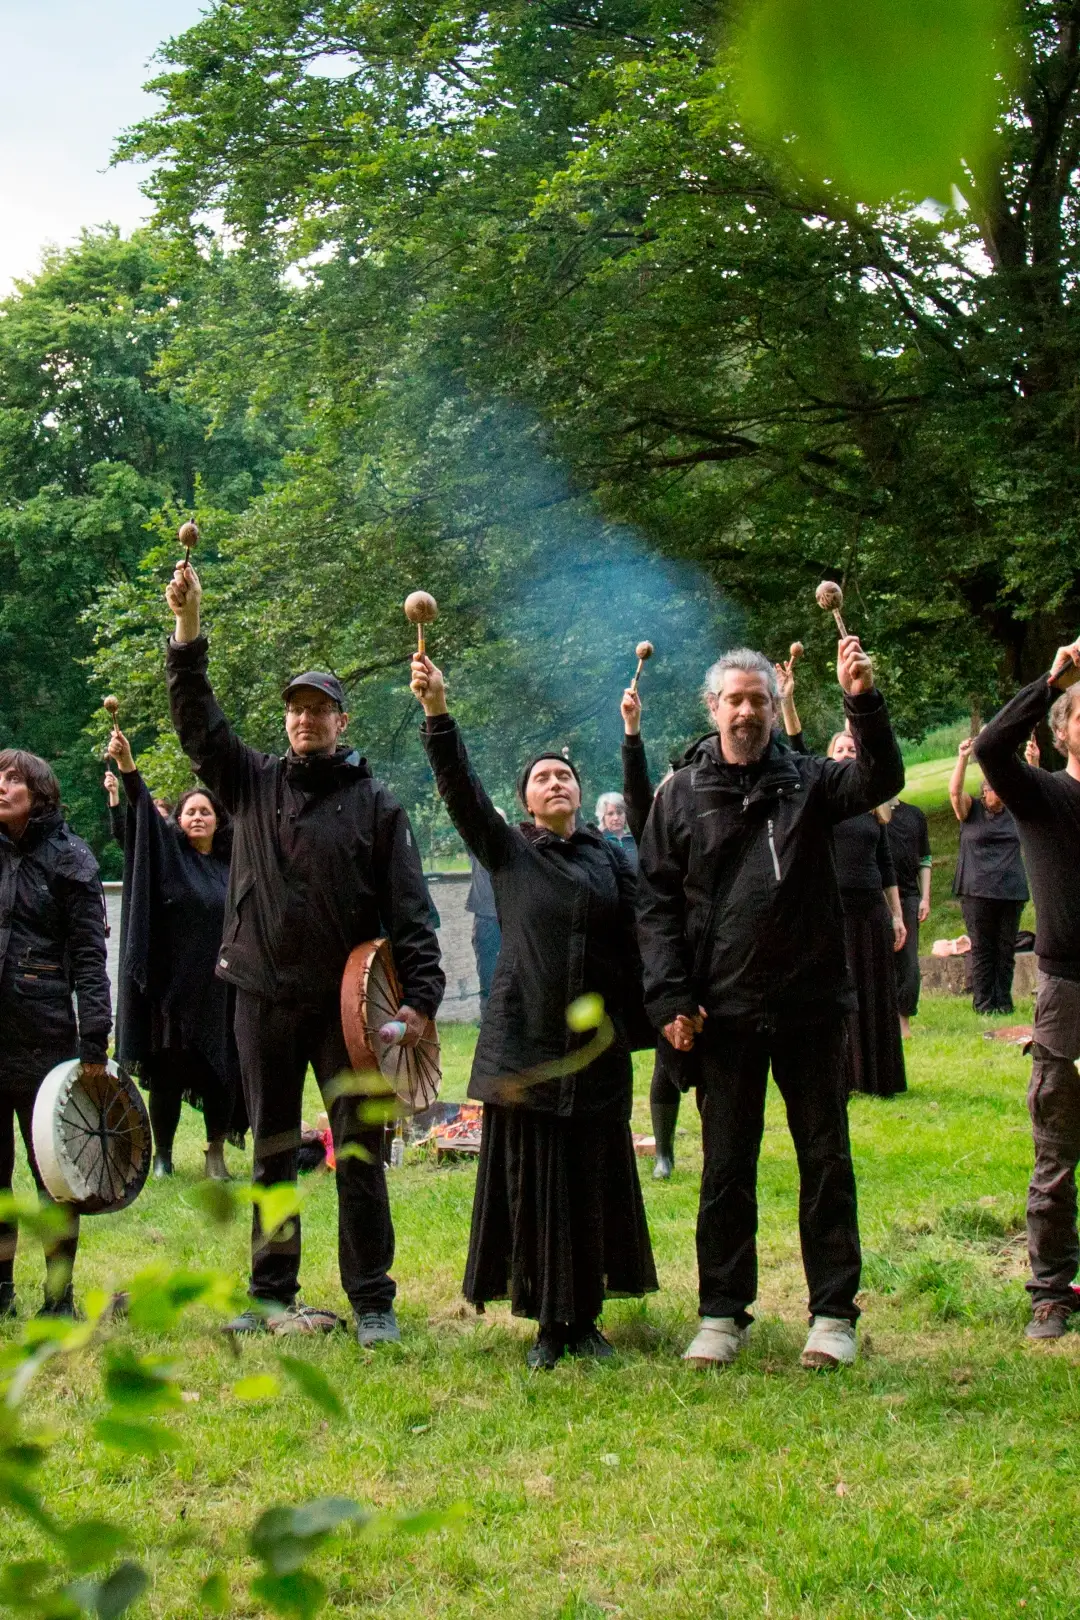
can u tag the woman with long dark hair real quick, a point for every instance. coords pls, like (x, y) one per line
(874, 931)
(174, 1018)
(558, 1220)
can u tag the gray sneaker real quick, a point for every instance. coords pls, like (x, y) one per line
(260, 1317)
(377, 1327)
(1049, 1320)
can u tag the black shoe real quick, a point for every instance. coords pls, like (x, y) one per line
(61, 1305)
(590, 1343)
(7, 1300)
(544, 1355)
(162, 1165)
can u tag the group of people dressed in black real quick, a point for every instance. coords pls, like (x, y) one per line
(750, 916)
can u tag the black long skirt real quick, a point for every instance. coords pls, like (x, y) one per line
(558, 1221)
(875, 1049)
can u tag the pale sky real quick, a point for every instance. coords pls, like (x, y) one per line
(73, 76)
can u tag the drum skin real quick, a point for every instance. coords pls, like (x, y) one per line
(92, 1140)
(370, 996)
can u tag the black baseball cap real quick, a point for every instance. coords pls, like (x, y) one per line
(321, 681)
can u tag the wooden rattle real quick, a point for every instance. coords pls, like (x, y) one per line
(642, 652)
(830, 597)
(188, 536)
(421, 609)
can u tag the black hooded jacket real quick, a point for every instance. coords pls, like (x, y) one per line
(738, 904)
(566, 906)
(324, 858)
(52, 942)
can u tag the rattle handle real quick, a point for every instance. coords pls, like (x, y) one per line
(393, 1032)
(637, 672)
(839, 623)
(421, 643)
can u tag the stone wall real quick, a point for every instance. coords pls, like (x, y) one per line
(448, 891)
(951, 975)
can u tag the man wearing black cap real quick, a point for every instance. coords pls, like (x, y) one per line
(323, 859)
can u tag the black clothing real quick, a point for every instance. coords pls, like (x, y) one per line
(807, 1065)
(909, 845)
(874, 1054)
(176, 1076)
(170, 998)
(637, 785)
(558, 1217)
(1046, 806)
(566, 908)
(277, 1041)
(324, 858)
(864, 860)
(908, 974)
(19, 1107)
(739, 908)
(117, 823)
(992, 925)
(990, 866)
(52, 941)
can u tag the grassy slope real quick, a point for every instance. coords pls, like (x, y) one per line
(644, 1488)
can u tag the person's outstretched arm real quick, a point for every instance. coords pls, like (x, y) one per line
(217, 755)
(959, 797)
(482, 828)
(876, 774)
(1000, 741)
(83, 901)
(637, 786)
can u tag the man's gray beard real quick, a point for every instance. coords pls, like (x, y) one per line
(746, 750)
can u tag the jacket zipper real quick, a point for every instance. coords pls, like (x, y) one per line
(772, 852)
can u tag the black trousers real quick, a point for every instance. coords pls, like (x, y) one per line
(175, 1072)
(908, 977)
(992, 925)
(673, 1074)
(19, 1106)
(276, 1042)
(807, 1064)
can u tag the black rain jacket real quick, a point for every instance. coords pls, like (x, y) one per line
(52, 943)
(566, 906)
(738, 905)
(353, 874)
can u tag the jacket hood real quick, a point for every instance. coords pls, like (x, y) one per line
(541, 835)
(38, 829)
(775, 761)
(318, 773)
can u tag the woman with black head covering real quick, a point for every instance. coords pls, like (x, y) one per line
(174, 1016)
(558, 1220)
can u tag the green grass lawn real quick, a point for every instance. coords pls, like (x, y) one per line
(939, 1477)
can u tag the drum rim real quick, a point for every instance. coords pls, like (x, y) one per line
(53, 1172)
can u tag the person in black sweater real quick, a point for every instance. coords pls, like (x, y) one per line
(558, 1220)
(909, 845)
(324, 859)
(873, 932)
(991, 884)
(174, 1015)
(1046, 805)
(742, 937)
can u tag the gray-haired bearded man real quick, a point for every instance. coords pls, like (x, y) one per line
(742, 936)
(1046, 808)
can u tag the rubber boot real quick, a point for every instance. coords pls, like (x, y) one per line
(7, 1300)
(162, 1165)
(665, 1117)
(216, 1168)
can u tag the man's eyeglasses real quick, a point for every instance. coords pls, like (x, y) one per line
(315, 711)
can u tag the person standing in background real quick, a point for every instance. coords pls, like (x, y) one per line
(991, 885)
(486, 933)
(908, 833)
(612, 821)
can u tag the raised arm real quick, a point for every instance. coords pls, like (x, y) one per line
(637, 786)
(467, 804)
(876, 774)
(999, 742)
(785, 680)
(218, 757)
(405, 909)
(959, 798)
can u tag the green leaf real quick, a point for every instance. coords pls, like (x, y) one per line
(91, 1542)
(256, 1387)
(883, 97)
(298, 1593)
(137, 1439)
(45, 1222)
(284, 1537)
(217, 1200)
(140, 1383)
(586, 1012)
(19, 1582)
(120, 1590)
(158, 1296)
(214, 1592)
(314, 1384)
